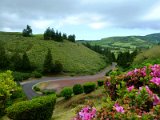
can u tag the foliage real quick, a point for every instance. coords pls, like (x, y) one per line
(27, 32)
(100, 82)
(7, 88)
(36, 88)
(72, 38)
(36, 74)
(20, 76)
(48, 92)
(40, 108)
(89, 87)
(58, 67)
(48, 63)
(125, 59)
(26, 65)
(77, 89)
(16, 58)
(110, 57)
(3, 56)
(67, 92)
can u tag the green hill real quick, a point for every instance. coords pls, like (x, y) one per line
(75, 57)
(127, 42)
(149, 56)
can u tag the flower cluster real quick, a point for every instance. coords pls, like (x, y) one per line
(86, 113)
(119, 108)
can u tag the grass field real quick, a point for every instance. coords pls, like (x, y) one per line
(75, 57)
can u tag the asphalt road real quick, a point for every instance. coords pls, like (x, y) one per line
(27, 85)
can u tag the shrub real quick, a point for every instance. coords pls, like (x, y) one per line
(48, 92)
(20, 76)
(77, 89)
(67, 92)
(89, 87)
(36, 88)
(100, 82)
(36, 74)
(40, 108)
(58, 67)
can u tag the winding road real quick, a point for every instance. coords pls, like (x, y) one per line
(58, 83)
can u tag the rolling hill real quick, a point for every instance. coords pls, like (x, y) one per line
(75, 57)
(127, 42)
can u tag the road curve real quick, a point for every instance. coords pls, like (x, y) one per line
(62, 81)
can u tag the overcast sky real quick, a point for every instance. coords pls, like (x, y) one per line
(87, 19)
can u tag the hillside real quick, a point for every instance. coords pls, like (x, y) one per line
(149, 56)
(75, 57)
(127, 42)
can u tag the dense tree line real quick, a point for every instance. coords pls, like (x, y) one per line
(50, 34)
(125, 59)
(110, 57)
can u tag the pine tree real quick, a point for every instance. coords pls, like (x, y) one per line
(27, 32)
(58, 67)
(26, 66)
(71, 38)
(4, 61)
(48, 63)
(16, 62)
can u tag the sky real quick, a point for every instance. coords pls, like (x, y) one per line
(87, 19)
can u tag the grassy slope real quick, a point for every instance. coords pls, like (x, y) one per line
(75, 57)
(130, 42)
(66, 109)
(151, 55)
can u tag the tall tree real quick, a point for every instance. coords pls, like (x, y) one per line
(4, 61)
(16, 58)
(72, 38)
(27, 32)
(26, 65)
(48, 63)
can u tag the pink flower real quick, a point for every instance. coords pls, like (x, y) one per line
(156, 99)
(155, 80)
(119, 108)
(148, 90)
(130, 73)
(130, 88)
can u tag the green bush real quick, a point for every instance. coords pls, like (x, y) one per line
(20, 76)
(77, 89)
(40, 108)
(67, 92)
(36, 74)
(89, 87)
(36, 88)
(100, 82)
(48, 92)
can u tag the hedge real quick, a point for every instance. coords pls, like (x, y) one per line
(77, 89)
(67, 92)
(40, 108)
(100, 82)
(89, 87)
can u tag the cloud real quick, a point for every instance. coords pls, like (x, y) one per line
(69, 14)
